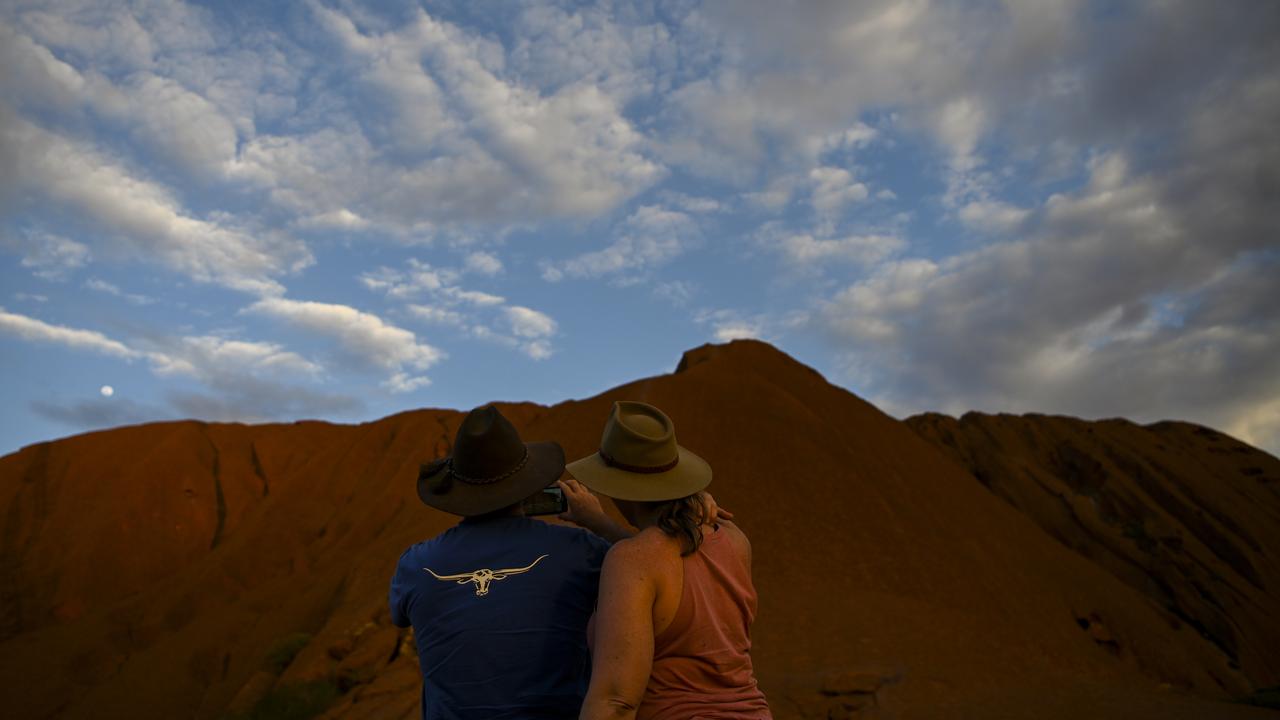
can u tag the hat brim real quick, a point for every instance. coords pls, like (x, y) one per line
(544, 466)
(690, 475)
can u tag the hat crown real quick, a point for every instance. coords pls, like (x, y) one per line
(640, 435)
(487, 445)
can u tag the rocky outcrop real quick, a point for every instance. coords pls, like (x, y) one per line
(1181, 513)
(986, 587)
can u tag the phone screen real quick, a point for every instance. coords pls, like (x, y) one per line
(547, 501)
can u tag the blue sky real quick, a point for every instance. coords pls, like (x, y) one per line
(341, 210)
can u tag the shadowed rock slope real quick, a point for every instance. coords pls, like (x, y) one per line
(173, 569)
(1183, 514)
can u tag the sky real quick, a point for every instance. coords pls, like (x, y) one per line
(342, 210)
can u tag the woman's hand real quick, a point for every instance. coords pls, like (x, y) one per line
(585, 511)
(715, 513)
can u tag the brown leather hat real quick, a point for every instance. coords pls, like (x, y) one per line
(639, 458)
(490, 467)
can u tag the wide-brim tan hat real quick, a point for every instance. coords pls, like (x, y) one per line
(639, 458)
(490, 467)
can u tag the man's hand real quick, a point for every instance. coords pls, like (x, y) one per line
(585, 511)
(584, 507)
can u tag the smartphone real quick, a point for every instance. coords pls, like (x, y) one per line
(547, 501)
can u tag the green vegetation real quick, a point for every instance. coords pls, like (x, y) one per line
(284, 651)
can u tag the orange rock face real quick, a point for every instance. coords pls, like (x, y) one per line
(1007, 567)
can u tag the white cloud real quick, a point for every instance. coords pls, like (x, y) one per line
(533, 329)
(103, 286)
(537, 349)
(160, 113)
(29, 328)
(110, 34)
(473, 297)
(143, 217)
(435, 315)
(566, 152)
(863, 309)
(529, 323)
(959, 125)
(859, 135)
(728, 324)
(833, 189)
(805, 249)
(361, 335)
(550, 272)
(676, 292)
(484, 263)
(206, 356)
(419, 278)
(776, 194)
(651, 236)
(692, 203)
(244, 375)
(248, 381)
(342, 219)
(625, 54)
(51, 257)
(180, 123)
(401, 383)
(993, 215)
(736, 331)
(483, 315)
(35, 74)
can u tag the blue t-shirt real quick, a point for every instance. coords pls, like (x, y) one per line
(499, 610)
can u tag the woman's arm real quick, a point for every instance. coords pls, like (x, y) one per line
(623, 653)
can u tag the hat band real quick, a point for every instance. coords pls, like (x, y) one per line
(636, 468)
(491, 480)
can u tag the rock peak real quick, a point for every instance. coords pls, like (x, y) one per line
(744, 350)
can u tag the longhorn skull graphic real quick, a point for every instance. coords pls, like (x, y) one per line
(484, 576)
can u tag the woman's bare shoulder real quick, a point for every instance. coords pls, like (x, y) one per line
(650, 547)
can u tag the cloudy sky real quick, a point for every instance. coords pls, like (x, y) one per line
(340, 210)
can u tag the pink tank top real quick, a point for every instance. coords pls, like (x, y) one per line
(702, 661)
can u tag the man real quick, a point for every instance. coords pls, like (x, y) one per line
(499, 603)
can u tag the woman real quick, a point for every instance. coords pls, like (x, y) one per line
(671, 635)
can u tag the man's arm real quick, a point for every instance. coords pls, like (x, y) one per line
(399, 597)
(585, 511)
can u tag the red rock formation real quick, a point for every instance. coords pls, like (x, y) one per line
(1181, 513)
(150, 571)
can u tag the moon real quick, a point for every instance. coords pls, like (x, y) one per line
(107, 391)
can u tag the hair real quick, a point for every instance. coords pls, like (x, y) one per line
(682, 519)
